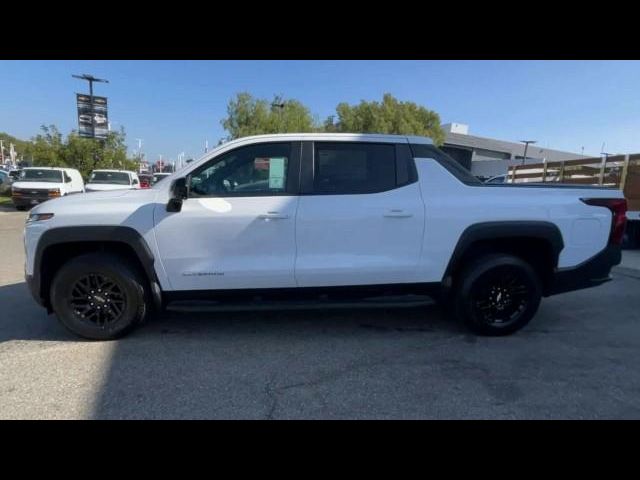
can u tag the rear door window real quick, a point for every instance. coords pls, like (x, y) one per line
(353, 168)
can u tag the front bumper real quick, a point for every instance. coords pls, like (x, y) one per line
(590, 273)
(29, 200)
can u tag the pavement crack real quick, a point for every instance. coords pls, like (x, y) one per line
(272, 397)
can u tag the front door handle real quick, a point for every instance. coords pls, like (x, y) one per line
(397, 213)
(273, 215)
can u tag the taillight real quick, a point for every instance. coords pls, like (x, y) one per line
(618, 207)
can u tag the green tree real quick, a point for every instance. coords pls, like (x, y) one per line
(49, 149)
(389, 116)
(20, 146)
(247, 115)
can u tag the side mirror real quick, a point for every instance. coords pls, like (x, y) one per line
(179, 193)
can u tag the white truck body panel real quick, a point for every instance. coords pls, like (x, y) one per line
(360, 239)
(403, 235)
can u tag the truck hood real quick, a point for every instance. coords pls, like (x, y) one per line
(101, 187)
(96, 202)
(36, 185)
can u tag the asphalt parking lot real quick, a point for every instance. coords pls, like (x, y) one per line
(578, 359)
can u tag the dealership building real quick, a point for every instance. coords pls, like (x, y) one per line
(487, 157)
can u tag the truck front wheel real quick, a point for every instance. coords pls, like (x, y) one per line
(497, 294)
(98, 296)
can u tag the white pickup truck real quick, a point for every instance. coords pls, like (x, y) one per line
(322, 218)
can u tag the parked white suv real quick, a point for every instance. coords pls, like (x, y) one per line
(39, 184)
(329, 216)
(101, 180)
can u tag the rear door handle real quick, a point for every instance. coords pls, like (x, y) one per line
(273, 215)
(397, 213)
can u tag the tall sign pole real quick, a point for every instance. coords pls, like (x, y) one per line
(91, 79)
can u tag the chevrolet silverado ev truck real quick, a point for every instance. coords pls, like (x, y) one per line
(320, 218)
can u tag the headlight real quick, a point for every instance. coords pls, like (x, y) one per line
(16, 191)
(54, 192)
(37, 217)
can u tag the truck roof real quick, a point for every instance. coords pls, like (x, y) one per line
(46, 168)
(345, 137)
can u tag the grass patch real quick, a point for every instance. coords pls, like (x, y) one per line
(5, 201)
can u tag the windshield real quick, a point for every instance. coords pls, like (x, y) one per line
(41, 175)
(118, 178)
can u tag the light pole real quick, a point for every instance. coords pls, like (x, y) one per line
(279, 106)
(606, 156)
(139, 140)
(526, 146)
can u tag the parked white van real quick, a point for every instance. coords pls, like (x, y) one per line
(39, 184)
(101, 180)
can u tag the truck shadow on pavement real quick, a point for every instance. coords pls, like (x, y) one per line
(23, 319)
(233, 364)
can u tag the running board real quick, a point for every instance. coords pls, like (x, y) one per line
(375, 302)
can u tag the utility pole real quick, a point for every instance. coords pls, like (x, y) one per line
(526, 145)
(280, 107)
(139, 149)
(2, 151)
(91, 79)
(606, 156)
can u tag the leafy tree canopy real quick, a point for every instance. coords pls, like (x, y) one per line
(247, 115)
(50, 149)
(390, 116)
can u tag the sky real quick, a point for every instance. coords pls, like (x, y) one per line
(175, 106)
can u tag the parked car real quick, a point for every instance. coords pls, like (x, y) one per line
(5, 182)
(498, 179)
(326, 217)
(146, 180)
(160, 176)
(39, 184)
(101, 180)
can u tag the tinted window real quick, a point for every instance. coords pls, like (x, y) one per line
(41, 175)
(254, 170)
(343, 168)
(454, 167)
(405, 165)
(117, 178)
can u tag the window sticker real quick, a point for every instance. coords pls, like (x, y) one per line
(276, 172)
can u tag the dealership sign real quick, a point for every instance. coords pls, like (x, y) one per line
(88, 119)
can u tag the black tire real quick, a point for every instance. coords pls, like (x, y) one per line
(497, 294)
(87, 310)
(21, 208)
(631, 238)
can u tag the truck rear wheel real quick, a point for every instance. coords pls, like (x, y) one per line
(631, 238)
(98, 296)
(497, 294)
